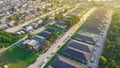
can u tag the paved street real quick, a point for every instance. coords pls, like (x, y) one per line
(60, 41)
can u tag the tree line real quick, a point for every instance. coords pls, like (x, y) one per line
(7, 39)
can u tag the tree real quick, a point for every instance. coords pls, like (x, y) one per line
(30, 35)
(103, 59)
(7, 39)
(11, 18)
(53, 36)
(38, 9)
(72, 20)
(47, 17)
(47, 43)
(59, 16)
(14, 17)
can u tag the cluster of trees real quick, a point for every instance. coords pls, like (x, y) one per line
(112, 44)
(59, 16)
(53, 37)
(47, 43)
(66, 9)
(38, 9)
(74, 19)
(7, 39)
(14, 17)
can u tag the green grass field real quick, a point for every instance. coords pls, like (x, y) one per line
(54, 27)
(16, 57)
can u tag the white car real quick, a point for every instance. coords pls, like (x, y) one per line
(19, 33)
(92, 59)
(45, 60)
(95, 49)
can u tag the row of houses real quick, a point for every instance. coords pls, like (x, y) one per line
(81, 47)
(96, 23)
(37, 42)
(4, 23)
(62, 23)
(30, 27)
(24, 11)
(35, 24)
(8, 4)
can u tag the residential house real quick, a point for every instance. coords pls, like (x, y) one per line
(11, 23)
(61, 24)
(51, 30)
(86, 37)
(63, 62)
(34, 25)
(27, 17)
(3, 26)
(78, 50)
(35, 43)
(28, 28)
(45, 34)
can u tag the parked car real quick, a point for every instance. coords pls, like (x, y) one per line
(45, 60)
(92, 59)
(41, 64)
(58, 46)
(95, 49)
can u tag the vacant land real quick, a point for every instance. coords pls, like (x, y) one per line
(16, 57)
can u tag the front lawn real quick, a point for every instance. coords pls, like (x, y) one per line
(16, 57)
(54, 27)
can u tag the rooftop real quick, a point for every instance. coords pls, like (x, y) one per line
(80, 46)
(74, 54)
(45, 34)
(96, 22)
(38, 38)
(51, 30)
(62, 62)
(86, 37)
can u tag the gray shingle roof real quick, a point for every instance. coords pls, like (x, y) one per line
(86, 37)
(57, 63)
(79, 46)
(74, 54)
